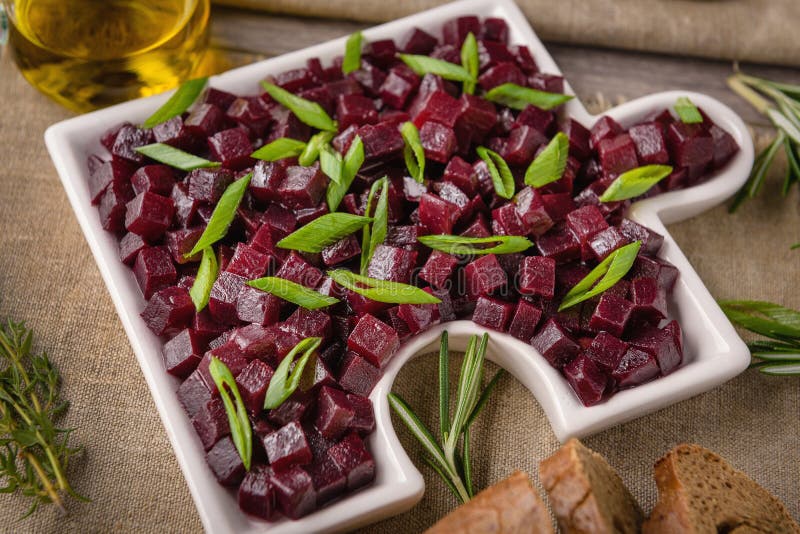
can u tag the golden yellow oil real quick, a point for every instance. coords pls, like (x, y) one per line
(87, 54)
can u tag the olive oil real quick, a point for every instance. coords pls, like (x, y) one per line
(87, 54)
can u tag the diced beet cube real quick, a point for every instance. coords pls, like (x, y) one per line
(253, 341)
(724, 146)
(287, 446)
(587, 381)
(149, 215)
(357, 375)
(650, 144)
(280, 218)
(649, 300)
(227, 354)
(303, 187)
(611, 315)
(438, 140)
(306, 215)
(308, 323)
(224, 294)
(459, 173)
(207, 185)
(398, 87)
(617, 154)
(252, 383)
(381, 52)
(476, 116)
(206, 327)
(662, 344)
(392, 263)
(221, 99)
(437, 215)
(298, 270)
(560, 244)
(505, 72)
(318, 443)
(129, 138)
(491, 53)
(419, 317)
(554, 344)
(211, 423)
(158, 179)
(248, 262)
(341, 251)
(369, 77)
(329, 481)
(355, 109)
(690, 145)
(578, 137)
(295, 492)
(193, 393)
(355, 461)
(183, 352)
(521, 145)
(374, 340)
(605, 242)
(546, 82)
(110, 135)
(174, 132)
(505, 221)
(185, 206)
(294, 80)
(256, 495)
(225, 462)
(104, 173)
(417, 41)
(181, 242)
(267, 177)
(522, 56)
(483, 276)
(661, 270)
(438, 268)
(334, 412)
(454, 31)
(382, 141)
(256, 306)
(532, 212)
(130, 246)
(635, 367)
(537, 276)
(363, 420)
(435, 106)
(254, 115)
(585, 222)
(523, 324)
(205, 120)
(360, 304)
(606, 351)
(651, 241)
(493, 313)
(154, 270)
(295, 408)
(604, 128)
(232, 148)
(558, 205)
(495, 29)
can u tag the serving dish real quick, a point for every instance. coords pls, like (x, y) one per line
(714, 353)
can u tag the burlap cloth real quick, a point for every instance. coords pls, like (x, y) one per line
(49, 279)
(762, 31)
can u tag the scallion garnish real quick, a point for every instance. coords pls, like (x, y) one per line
(687, 111)
(283, 384)
(352, 53)
(375, 233)
(323, 231)
(550, 164)
(331, 163)
(204, 280)
(241, 431)
(423, 65)
(306, 111)
(413, 152)
(293, 292)
(179, 102)
(281, 148)
(607, 273)
(382, 290)
(222, 216)
(351, 164)
(519, 97)
(169, 155)
(312, 149)
(474, 246)
(501, 175)
(635, 182)
(470, 61)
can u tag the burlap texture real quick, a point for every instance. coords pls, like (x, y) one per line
(49, 279)
(746, 30)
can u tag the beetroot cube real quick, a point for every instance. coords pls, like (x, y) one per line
(205, 120)
(585, 222)
(357, 375)
(360, 304)
(532, 212)
(129, 247)
(478, 228)
(537, 276)
(295, 408)
(586, 379)
(334, 412)
(129, 138)
(434, 106)
(611, 315)
(232, 148)
(298, 270)
(418, 317)
(604, 128)
(491, 53)
(382, 141)
(181, 242)
(523, 323)
(454, 31)
(206, 327)
(104, 173)
(363, 420)
(438, 140)
(554, 344)
(154, 270)
(724, 146)
(355, 109)
(690, 145)
(617, 154)
(287, 446)
(295, 492)
(661, 270)
(267, 177)
(605, 242)
(476, 116)
(392, 263)
(252, 341)
(649, 300)
(294, 80)
(227, 354)
(606, 351)
(559, 244)
(193, 393)
(224, 294)
(369, 77)
(558, 205)
(493, 313)
(256, 306)
(578, 138)
(437, 215)
(185, 206)
(225, 462)
(355, 461)
(546, 82)
(248, 262)
(662, 344)
(149, 215)
(635, 367)
(183, 352)
(505, 221)
(252, 383)
(521, 145)
(438, 268)
(207, 185)
(256, 495)
(308, 323)
(417, 41)
(459, 173)
(374, 340)
(651, 241)
(211, 423)
(341, 251)
(522, 56)
(483, 276)
(495, 29)
(158, 179)
(398, 87)
(303, 187)
(505, 72)
(174, 132)
(329, 481)
(651, 147)
(253, 115)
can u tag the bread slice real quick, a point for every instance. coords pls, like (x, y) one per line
(512, 506)
(586, 494)
(701, 493)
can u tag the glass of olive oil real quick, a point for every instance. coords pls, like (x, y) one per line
(87, 54)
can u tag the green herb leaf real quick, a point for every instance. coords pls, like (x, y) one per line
(423, 65)
(549, 165)
(283, 384)
(222, 216)
(635, 182)
(352, 53)
(502, 178)
(312, 150)
(323, 231)
(519, 97)
(382, 290)
(331, 164)
(204, 281)
(351, 164)
(413, 152)
(784, 123)
(468, 388)
(444, 386)
(376, 233)
(484, 398)
(173, 157)
(469, 246)
(241, 431)
(306, 111)
(761, 166)
(179, 102)
(281, 148)
(688, 112)
(420, 431)
(781, 369)
(470, 61)
(763, 318)
(607, 273)
(778, 356)
(293, 292)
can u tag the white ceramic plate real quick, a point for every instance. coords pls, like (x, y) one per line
(713, 351)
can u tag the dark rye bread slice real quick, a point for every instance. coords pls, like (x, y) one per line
(586, 494)
(701, 493)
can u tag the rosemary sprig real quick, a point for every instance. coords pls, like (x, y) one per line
(34, 452)
(450, 457)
